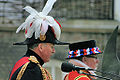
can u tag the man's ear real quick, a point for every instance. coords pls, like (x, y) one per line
(84, 59)
(40, 47)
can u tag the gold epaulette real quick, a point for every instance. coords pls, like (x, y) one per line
(46, 75)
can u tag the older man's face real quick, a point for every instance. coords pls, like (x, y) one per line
(47, 51)
(92, 62)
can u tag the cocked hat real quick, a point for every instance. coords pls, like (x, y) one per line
(40, 28)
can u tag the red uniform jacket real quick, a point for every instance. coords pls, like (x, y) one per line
(74, 75)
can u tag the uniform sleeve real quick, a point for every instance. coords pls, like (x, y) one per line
(32, 72)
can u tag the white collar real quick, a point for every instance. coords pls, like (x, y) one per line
(83, 65)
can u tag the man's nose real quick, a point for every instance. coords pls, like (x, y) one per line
(53, 51)
(97, 60)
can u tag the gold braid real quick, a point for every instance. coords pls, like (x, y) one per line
(19, 76)
(46, 75)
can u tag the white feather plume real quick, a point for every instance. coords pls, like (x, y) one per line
(37, 28)
(38, 22)
(44, 27)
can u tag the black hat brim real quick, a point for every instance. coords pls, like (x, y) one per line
(49, 38)
(27, 42)
(57, 42)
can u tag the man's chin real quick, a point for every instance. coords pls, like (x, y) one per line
(96, 67)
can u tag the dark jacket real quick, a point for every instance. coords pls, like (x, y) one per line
(32, 72)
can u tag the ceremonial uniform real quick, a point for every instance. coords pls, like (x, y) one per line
(42, 32)
(32, 70)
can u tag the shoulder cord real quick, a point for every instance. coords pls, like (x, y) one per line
(46, 75)
(19, 76)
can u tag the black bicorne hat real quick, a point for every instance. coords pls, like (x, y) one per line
(83, 49)
(49, 37)
(41, 28)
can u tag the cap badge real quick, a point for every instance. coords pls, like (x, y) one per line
(42, 37)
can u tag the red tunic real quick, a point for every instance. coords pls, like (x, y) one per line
(74, 75)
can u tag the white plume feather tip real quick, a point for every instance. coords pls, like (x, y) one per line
(48, 7)
(19, 28)
(30, 10)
